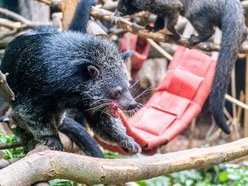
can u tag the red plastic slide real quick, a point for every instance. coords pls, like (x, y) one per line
(176, 102)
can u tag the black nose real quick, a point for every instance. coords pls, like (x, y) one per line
(133, 105)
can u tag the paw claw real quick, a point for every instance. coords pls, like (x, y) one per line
(177, 37)
(149, 28)
(53, 143)
(193, 40)
(130, 146)
(172, 38)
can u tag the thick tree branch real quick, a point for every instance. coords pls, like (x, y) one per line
(9, 33)
(22, 23)
(9, 24)
(54, 3)
(156, 36)
(14, 16)
(17, 25)
(245, 4)
(4, 163)
(48, 165)
(5, 90)
(14, 27)
(58, 3)
(11, 145)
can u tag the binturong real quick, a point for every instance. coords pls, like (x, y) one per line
(204, 15)
(167, 12)
(51, 71)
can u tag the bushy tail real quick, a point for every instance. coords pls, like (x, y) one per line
(233, 33)
(81, 16)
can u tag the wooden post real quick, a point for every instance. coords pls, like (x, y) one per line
(246, 99)
(68, 8)
(192, 133)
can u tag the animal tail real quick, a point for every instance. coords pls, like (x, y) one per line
(81, 16)
(233, 34)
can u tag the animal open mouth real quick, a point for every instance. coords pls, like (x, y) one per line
(114, 109)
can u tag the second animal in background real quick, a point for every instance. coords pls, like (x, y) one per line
(204, 15)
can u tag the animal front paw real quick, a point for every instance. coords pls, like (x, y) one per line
(194, 40)
(172, 38)
(53, 143)
(130, 146)
(151, 28)
(176, 36)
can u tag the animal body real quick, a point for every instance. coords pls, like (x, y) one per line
(51, 71)
(167, 12)
(204, 15)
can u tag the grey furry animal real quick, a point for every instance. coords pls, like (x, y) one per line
(204, 15)
(167, 12)
(51, 71)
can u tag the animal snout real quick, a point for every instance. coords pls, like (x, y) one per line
(132, 105)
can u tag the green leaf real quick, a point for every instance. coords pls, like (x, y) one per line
(61, 182)
(112, 155)
(223, 177)
(141, 183)
(11, 153)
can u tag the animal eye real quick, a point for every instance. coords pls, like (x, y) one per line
(116, 94)
(111, 59)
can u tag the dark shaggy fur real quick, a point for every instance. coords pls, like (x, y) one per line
(204, 16)
(51, 71)
(167, 12)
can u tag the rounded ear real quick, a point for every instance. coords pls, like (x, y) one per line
(127, 54)
(93, 71)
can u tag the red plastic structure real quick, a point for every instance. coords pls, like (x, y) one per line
(177, 100)
(141, 49)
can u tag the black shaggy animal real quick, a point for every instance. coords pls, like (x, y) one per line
(51, 71)
(167, 12)
(204, 15)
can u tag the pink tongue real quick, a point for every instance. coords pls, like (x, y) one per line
(114, 109)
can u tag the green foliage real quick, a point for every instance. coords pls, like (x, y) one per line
(11, 153)
(113, 155)
(221, 175)
(60, 182)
